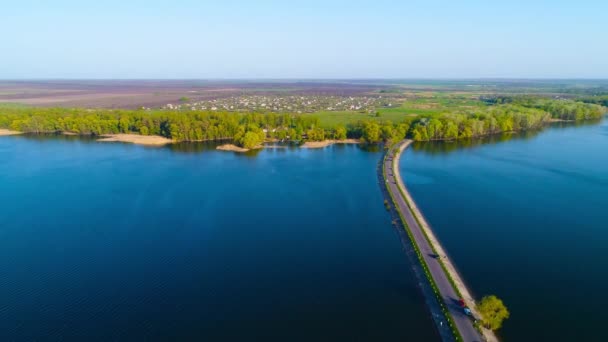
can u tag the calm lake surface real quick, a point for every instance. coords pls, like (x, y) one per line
(525, 218)
(111, 241)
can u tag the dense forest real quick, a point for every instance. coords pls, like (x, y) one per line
(559, 109)
(503, 114)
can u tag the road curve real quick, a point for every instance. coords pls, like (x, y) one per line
(447, 292)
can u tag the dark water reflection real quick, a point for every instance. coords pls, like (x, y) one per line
(524, 217)
(119, 242)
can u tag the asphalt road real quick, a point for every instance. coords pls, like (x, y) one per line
(463, 323)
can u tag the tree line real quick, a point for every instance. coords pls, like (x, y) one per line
(586, 108)
(504, 114)
(596, 99)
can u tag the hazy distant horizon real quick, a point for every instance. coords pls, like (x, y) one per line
(303, 79)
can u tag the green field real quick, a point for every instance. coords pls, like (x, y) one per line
(407, 105)
(10, 105)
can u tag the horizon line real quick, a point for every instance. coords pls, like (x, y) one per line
(311, 79)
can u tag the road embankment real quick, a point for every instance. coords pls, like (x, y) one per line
(442, 273)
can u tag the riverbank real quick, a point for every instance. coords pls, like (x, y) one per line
(149, 140)
(232, 148)
(7, 132)
(325, 143)
(552, 120)
(308, 144)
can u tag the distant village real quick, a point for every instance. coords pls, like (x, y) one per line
(284, 104)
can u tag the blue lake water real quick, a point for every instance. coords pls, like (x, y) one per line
(525, 217)
(111, 241)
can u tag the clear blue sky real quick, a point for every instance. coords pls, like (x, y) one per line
(303, 39)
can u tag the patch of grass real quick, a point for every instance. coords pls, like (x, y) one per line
(11, 105)
(413, 104)
(330, 119)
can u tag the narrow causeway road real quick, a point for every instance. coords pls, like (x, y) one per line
(393, 180)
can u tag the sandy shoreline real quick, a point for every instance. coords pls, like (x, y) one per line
(6, 132)
(324, 143)
(231, 147)
(308, 144)
(149, 140)
(156, 140)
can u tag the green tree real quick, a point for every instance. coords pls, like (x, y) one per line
(340, 133)
(315, 134)
(251, 140)
(123, 124)
(386, 131)
(493, 312)
(293, 134)
(419, 132)
(402, 130)
(451, 131)
(371, 132)
(434, 129)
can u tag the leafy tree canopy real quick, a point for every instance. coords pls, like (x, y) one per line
(493, 312)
